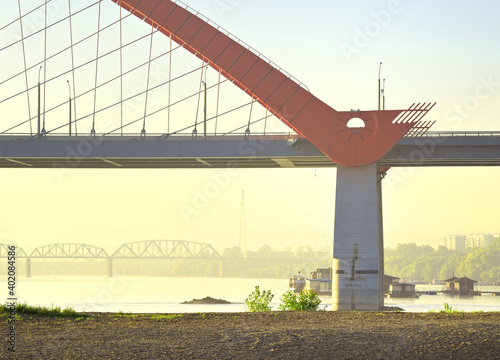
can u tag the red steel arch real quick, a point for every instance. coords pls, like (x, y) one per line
(322, 125)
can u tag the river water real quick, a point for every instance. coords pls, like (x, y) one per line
(164, 295)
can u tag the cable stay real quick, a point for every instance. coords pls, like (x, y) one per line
(24, 60)
(23, 16)
(143, 131)
(92, 132)
(74, 45)
(150, 114)
(72, 70)
(247, 131)
(43, 132)
(217, 104)
(169, 84)
(195, 131)
(42, 30)
(161, 101)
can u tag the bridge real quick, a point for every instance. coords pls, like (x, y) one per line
(254, 151)
(152, 249)
(173, 128)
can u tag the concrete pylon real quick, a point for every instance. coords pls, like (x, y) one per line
(358, 268)
(28, 267)
(110, 266)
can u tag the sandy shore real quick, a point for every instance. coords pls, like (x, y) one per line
(272, 335)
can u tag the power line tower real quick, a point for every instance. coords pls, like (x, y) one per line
(243, 230)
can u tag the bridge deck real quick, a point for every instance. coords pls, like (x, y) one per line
(256, 151)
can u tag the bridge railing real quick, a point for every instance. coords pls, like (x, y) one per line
(438, 134)
(158, 136)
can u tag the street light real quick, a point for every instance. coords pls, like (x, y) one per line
(383, 95)
(38, 118)
(204, 109)
(43, 121)
(379, 90)
(69, 122)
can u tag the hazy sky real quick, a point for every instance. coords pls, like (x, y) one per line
(435, 51)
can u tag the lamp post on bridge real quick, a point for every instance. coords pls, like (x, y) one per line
(383, 95)
(69, 121)
(379, 90)
(39, 94)
(204, 109)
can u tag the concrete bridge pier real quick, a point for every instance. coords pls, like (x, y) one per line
(28, 267)
(358, 271)
(110, 266)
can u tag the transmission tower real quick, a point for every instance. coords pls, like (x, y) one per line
(243, 230)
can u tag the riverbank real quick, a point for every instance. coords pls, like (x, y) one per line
(271, 335)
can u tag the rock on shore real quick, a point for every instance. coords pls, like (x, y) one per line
(206, 300)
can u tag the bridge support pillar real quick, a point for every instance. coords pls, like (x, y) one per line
(28, 267)
(221, 267)
(110, 267)
(357, 276)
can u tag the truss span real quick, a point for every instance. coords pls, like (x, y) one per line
(166, 249)
(65, 251)
(4, 251)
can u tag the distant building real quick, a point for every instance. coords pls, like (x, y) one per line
(455, 242)
(461, 243)
(474, 241)
(402, 290)
(460, 286)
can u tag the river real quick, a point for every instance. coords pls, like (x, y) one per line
(164, 294)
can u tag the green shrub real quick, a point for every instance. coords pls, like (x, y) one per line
(448, 309)
(305, 300)
(259, 301)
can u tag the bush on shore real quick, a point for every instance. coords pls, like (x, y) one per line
(305, 300)
(261, 300)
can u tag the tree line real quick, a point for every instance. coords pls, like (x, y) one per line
(424, 263)
(406, 261)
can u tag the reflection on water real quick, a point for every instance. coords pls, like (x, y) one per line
(160, 294)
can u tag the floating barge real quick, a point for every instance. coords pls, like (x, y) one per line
(460, 286)
(402, 290)
(320, 281)
(297, 282)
